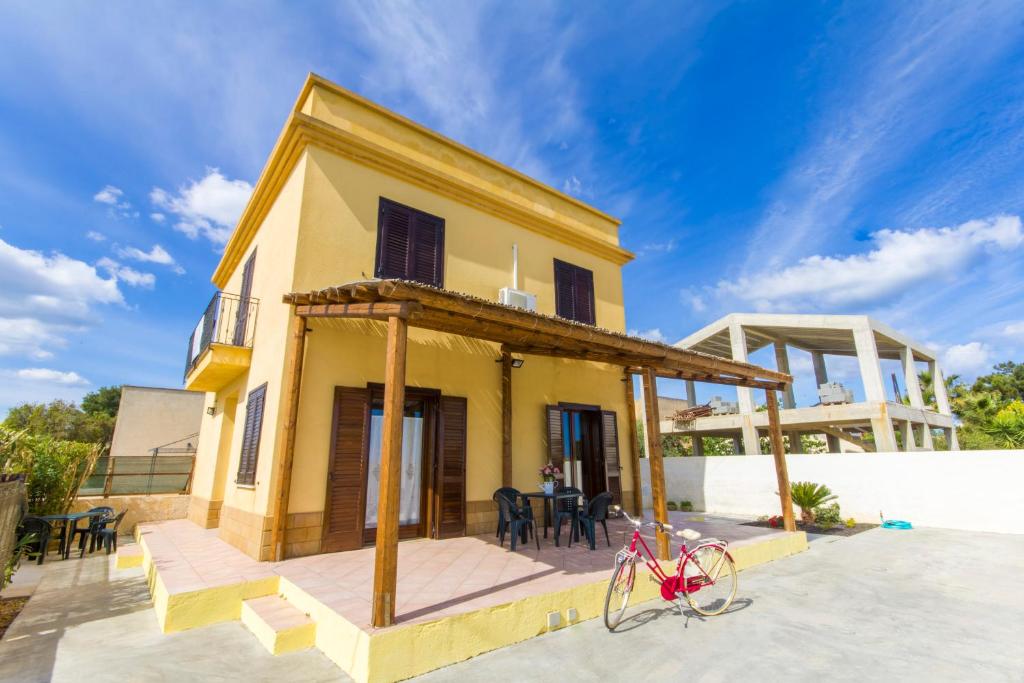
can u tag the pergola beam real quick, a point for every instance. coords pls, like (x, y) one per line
(779, 456)
(634, 453)
(654, 454)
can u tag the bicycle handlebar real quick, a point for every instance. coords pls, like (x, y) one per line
(660, 526)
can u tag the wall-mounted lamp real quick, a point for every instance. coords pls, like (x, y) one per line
(516, 362)
(212, 410)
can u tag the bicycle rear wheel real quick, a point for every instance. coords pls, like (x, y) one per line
(619, 589)
(710, 578)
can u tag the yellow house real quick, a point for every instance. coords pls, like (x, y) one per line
(373, 254)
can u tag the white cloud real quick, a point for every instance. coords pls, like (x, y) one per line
(209, 207)
(653, 334)
(693, 299)
(899, 260)
(666, 247)
(49, 376)
(43, 298)
(127, 274)
(109, 195)
(157, 217)
(96, 236)
(970, 359)
(155, 255)
(1013, 329)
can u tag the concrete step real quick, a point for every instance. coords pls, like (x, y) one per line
(128, 555)
(278, 625)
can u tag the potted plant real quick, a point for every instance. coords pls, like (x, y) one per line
(547, 475)
(807, 496)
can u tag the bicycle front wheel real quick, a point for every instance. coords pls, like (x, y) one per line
(710, 579)
(619, 589)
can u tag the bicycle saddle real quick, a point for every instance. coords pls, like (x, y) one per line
(688, 534)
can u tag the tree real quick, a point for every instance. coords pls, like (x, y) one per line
(61, 421)
(1007, 427)
(105, 400)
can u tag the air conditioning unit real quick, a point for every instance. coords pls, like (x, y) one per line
(517, 298)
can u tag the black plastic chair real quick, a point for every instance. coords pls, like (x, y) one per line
(503, 491)
(567, 508)
(108, 536)
(94, 525)
(39, 529)
(597, 511)
(519, 520)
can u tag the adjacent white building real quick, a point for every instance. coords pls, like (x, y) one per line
(842, 420)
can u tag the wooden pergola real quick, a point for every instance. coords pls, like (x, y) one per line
(401, 303)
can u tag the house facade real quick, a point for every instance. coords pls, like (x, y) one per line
(353, 192)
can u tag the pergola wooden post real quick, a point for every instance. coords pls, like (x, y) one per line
(506, 418)
(293, 384)
(654, 455)
(634, 454)
(385, 568)
(779, 454)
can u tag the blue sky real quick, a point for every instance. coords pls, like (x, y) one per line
(808, 157)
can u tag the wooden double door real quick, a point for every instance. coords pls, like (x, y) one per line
(433, 471)
(583, 441)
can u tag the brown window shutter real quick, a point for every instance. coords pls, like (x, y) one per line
(610, 449)
(574, 293)
(451, 476)
(556, 443)
(410, 244)
(344, 516)
(251, 436)
(242, 316)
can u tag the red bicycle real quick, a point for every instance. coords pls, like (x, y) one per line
(705, 576)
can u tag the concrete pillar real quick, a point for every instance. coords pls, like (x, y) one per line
(907, 434)
(737, 445)
(939, 389)
(910, 379)
(927, 442)
(954, 443)
(691, 393)
(795, 446)
(820, 373)
(885, 435)
(870, 367)
(833, 444)
(744, 395)
(782, 365)
(698, 445)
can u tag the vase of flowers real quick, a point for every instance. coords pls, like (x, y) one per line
(547, 475)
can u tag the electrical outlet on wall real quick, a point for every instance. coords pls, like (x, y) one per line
(554, 619)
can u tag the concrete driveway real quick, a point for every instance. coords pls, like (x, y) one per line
(926, 604)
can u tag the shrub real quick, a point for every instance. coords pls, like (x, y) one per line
(54, 469)
(808, 496)
(827, 516)
(671, 505)
(686, 506)
(850, 523)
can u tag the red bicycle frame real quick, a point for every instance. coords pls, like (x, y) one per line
(672, 585)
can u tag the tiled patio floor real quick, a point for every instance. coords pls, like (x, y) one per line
(435, 578)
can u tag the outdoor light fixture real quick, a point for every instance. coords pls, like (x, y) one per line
(212, 410)
(516, 362)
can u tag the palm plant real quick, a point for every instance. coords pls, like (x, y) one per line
(807, 495)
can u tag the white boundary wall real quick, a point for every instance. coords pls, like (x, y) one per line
(971, 490)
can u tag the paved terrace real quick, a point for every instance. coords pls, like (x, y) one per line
(435, 578)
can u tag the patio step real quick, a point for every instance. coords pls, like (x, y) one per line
(128, 555)
(278, 625)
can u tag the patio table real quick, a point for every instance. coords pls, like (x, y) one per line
(69, 526)
(549, 501)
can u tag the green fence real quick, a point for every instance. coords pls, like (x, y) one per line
(140, 475)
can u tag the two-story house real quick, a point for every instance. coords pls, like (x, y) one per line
(391, 297)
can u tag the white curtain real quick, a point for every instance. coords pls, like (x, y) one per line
(412, 464)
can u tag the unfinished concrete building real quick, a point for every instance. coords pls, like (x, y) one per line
(843, 421)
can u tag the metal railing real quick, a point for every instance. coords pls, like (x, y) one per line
(167, 470)
(228, 319)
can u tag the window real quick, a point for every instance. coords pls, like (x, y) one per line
(574, 292)
(410, 244)
(251, 436)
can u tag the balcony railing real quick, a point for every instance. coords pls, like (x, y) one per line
(229, 319)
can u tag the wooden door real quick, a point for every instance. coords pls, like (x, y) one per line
(344, 511)
(610, 451)
(449, 510)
